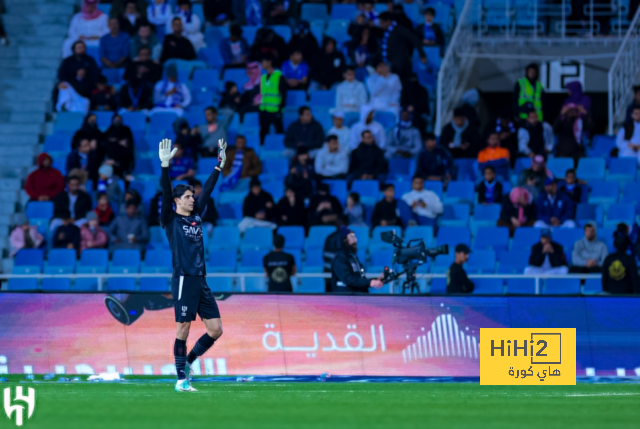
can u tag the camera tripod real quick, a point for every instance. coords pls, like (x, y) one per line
(410, 283)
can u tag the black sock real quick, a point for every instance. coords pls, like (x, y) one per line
(180, 353)
(204, 343)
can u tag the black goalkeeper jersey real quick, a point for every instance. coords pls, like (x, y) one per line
(185, 232)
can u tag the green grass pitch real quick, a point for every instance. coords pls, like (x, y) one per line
(330, 405)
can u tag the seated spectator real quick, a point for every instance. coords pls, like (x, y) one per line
(536, 175)
(135, 96)
(146, 39)
(367, 160)
(108, 184)
(103, 98)
(103, 210)
(579, 99)
(620, 270)
(570, 126)
(628, 138)
(258, 208)
(114, 47)
(83, 162)
(132, 196)
(89, 131)
(158, 13)
(67, 234)
(118, 147)
(328, 64)
(291, 209)
(489, 190)
(268, 44)
(92, 236)
(506, 128)
(635, 103)
(214, 130)
(181, 166)
(403, 141)
(554, 209)
(588, 253)
(324, 208)
(234, 49)
(73, 201)
(415, 98)
(460, 136)
(230, 99)
(70, 67)
(129, 230)
(457, 280)
(430, 32)
(143, 68)
(355, 211)
(468, 102)
(210, 216)
(296, 71)
(304, 132)
(89, 25)
(242, 162)
(367, 123)
(517, 210)
(188, 138)
(44, 183)
(24, 236)
(570, 187)
(385, 89)
(175, 45)
(342, 132)
(386, 212)
(351, 94)
(191, 25)
(547, 257)
(279, 266)
(220, 12)
(332, 161)
(495, 156)
(304, 41)
(277, 12)
(130, 19)
(370, 14)
(301, 175)
(435, 162)
(69, 100)
(362, 48)
(426, 204)
(171, 95)
(534, 137)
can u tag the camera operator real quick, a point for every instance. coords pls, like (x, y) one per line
(347, 273)
(457, 280)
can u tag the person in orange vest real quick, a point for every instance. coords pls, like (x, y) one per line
(495, 156)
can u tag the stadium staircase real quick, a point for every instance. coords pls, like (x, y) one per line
(28, 66)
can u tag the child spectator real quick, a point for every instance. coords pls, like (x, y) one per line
(571, 187)
(301, 174)
(430, 33)
(296, 71)
(234, 49)
(107, 184)
(104, 96)
(386, 212)
(230, 97)
(355, 210)
(24, 236)
(67, 235)
(489, 190)
(92, 236)
(495, 156)
(103, 210)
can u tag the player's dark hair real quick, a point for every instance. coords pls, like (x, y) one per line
(180, 190)
(303, 109)
(278, 241)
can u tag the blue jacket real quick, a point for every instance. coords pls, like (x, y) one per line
(225, 49)
(563, 207)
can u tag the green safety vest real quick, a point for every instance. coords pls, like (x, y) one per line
(269, 89)
(527, 95)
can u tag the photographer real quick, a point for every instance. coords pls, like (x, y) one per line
(457, 280)
(347, 273)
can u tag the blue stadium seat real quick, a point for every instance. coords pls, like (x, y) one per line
(249, 33)
(592, 286)
(311, 285)
(559, 166)
(253, 258)
(362, 232)
(377, 243)
(125, 284)
(276, 167)
(205, 79)
(125, 261)
(438, 286)
(514, 262)
(56, 284)
(521, 286)
(157, 261)
(589, 213)
(23, 284)
(211, 56)
(29, 257)
(317, 237)
(158, 238)
(103, 119)
(283, 31)
(442, 264)
(221, 284)
(492, 238)
(386, 119)
(39, 209)
(524, 238)
(238, 76)
(481, 262)
(225, 238)
(567, 237)
(460, 192)
(311, 12)
(521, 165)
(435, 186)
(338, 29)
(289, 117)
(195, 118)
(455, 215)
(274, 142)
(338, 188)
(98, 258)
(591, 169)
(484, 216)
(401, 187)
(296, 98)
(222, 261)
(381, 257)
(322, 98)
(424, 232)
(275, 188)
(344, 11)
(367, 189)
(601, 145)
(618, 213)
(606, 236)
(561, 286)
(251, 119)
(257, 239)
(137, 121)
(631, 193)
(314, 257)
(153, 285)
(604, 193)
(488, 287)
(400, 167)
(68, 122)
(61, 261)
(622, 170)
(57, 143)
(162, 121)
(453, 236)
(293, 236)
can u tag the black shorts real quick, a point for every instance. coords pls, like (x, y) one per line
(191, 296)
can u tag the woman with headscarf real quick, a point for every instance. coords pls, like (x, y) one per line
(118, 147)
(88, 25)
(518, 210)
(578, 98)
(571, 125)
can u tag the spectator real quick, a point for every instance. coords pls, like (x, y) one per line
(218, 12)
(74, 200)
(242, 162)
(588, 253)
(304, 42)
(83, 162)
(158, 13)
(69, 100)
(258, 208)
(398, 44)
(234, 49)
(92, 236)
(547, 257)
(351, 94)
(398, 14)
(367, 123)
(211, 132)
(210, 216)
(554, 209)
(506, 129)
(132, 196)
(489, 190)
(634, 104)
(135, 96)
(620, 270)
(24, 236)
(67, 234)
(108, 184)
(355, 211)
(129, 230)
(571, 126)
(386, 212)
(277, 12)
(291, 209)
(230, 98)
(181, 166)
(576, 97)
(143, 68)
(118, 147)
(268, 44)
(279, 267)
(118, 7)
(403, 141)
(188, 138)
(146, 39)
(69, 71)
(534, 137)
(342, 132)
(435, 162)
(301, 173)
(332, 161)
(296, 71)
(528, 90)
(628, 138)
(89, 131)
(324, 208)
(415, 98)
(273, 89)
(460, 136)
(367, 10)
(103, 98)
(130, 19)
(367, 160)
(253, 12)
(191, 25)
(457, 280)
(171, 95)
(536, 175)
(175, 45)
(362, 48)
(305, 132)
(468, 102)
(517, 210)
(44, 183)
(426, 204)
(328, 65)
(430, 32)
(495, 156)
(88, 26)
(570, 187)
(385, 89)
(103, 210)
(114, 47)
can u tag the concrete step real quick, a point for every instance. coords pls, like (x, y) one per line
(40, 8)
(35, 19)
(36, 29)
(9, 72)
(50, 42)
(25, 151)
(7, 130)
(19, 139)
(38, 63)
(12, 98)
(21, 118)
(12, 53)
(30, 84)
(31, 2)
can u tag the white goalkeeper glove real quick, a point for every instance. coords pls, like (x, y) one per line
(165, 153)
(222, 154)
